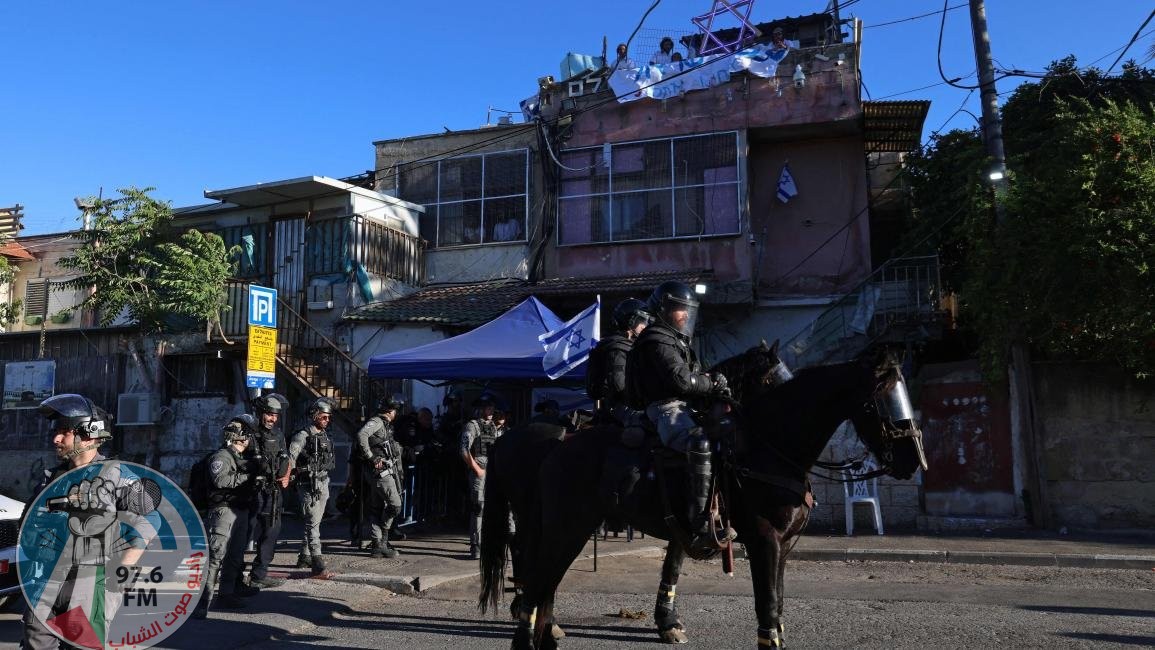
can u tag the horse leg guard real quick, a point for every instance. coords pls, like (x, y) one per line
(523, 634)
(670, 628)
(769, 637)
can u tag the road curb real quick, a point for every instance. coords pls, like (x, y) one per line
(998, 558)
(401, 585)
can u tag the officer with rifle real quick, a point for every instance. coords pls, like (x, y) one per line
(477, 438)
(381, 462)
(312, 458)
(272, 477)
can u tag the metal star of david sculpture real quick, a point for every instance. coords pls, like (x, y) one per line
(711, 44)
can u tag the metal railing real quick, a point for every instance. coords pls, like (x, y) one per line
(904, 290)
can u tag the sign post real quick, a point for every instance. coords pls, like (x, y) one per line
(261, 366)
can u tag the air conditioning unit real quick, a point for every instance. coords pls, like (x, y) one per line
(136, 409)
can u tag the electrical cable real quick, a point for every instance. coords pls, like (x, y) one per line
(1131, 42)
(941, 29)
(903, 20)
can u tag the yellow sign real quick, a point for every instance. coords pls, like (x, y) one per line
(262, 351)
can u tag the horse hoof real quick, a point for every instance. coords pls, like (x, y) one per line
(673, 635)
(556, 632)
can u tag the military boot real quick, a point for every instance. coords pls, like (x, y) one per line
(319, 569)
(246, 591)
(202, 609)
(705, 537)
(304, 561)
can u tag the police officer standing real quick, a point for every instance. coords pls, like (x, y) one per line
(272, 476)
(381, 461)
(662, 374)
(231, 491)
(606, 373)
(79, 427)
(311, 455)
(477, 438)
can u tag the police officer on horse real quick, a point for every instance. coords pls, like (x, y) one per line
(663, 374)
(606, 373)
(312, 457)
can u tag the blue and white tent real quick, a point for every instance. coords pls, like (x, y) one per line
(505, 348)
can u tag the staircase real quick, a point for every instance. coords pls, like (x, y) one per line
(898, 303)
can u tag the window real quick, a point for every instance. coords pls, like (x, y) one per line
(36, 297)
(250, 240)
(479, 199)
(657, 189)
(197, 375)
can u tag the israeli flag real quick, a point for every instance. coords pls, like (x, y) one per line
(569, 346)
(786, 187)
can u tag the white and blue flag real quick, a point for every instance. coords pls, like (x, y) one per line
(786, 187)
(569, 346)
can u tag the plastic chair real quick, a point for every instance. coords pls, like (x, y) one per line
(862, 492)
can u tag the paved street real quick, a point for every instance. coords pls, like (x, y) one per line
(840, 604)
(872, 604)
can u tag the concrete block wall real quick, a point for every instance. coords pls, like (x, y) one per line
(1097, 435)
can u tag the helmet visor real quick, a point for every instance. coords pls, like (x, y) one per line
(682, 317)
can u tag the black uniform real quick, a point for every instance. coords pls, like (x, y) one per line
(606, 374)
(272, 461)
(662, 367)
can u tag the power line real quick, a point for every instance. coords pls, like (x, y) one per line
(938, 59)
(903, 20)
(1131, 42)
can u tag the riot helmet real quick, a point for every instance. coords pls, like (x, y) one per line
(268, 404)
(390, 403)
(630, 313)
(321, 405)
(241, 427)
(77, 413)
(674, 304)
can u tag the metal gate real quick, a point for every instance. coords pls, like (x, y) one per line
(289, 259)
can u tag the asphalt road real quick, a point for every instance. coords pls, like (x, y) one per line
(831, 604)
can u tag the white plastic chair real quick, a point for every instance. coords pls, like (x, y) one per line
(862, 492)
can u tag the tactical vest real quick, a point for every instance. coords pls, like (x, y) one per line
(318, 452)
(599, 373)
(379, 442)
(646, 371)
(487, 435)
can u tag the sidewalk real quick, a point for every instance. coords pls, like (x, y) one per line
(431, 558)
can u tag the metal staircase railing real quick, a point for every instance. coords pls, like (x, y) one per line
(904, 291)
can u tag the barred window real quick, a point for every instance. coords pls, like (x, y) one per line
(469, 200)
(656, 189)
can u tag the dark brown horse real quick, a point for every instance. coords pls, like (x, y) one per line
(761, 469)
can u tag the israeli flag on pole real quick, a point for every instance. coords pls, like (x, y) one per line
(569, 346)
(786, 187)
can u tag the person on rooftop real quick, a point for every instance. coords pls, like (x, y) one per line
(665, 49)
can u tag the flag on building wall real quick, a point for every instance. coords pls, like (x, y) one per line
(569, 346)
(786, 187)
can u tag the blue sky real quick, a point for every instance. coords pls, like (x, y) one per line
(202, 95)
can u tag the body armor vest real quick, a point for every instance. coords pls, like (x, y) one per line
(318, 453)
(487, 435)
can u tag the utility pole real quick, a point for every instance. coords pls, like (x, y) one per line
(1024, 435)
(992, 124)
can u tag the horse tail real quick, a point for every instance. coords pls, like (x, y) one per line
(495, 534)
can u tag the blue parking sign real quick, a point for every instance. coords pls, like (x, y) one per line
(262, 306)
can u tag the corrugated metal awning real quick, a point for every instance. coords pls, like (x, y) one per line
(894, 126)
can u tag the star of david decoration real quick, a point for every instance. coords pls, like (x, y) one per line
(576, 338)
(711, 44)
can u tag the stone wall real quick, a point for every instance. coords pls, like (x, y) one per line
(1097, 439)
(900, 501)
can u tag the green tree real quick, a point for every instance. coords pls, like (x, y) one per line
(9, 311)
(137, 263)
(1070, 270)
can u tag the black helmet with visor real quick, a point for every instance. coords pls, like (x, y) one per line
(674, 304)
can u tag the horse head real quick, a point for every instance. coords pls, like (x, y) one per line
(753, 371)
(885, 422)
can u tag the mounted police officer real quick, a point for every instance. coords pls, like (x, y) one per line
(272, 476)
(231, 492)
(79, 428)
(311, 455)
(381, 461)
(606, 373)
(663, 373)
(477, 438)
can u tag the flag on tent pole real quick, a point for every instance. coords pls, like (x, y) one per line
(568, 346)
(786, 187)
